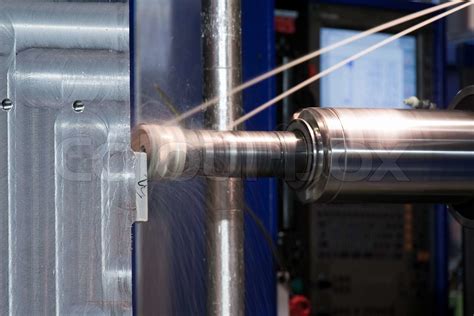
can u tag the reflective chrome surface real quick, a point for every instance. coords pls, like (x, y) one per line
(337, 155)
(68, 25)
(183, 154)
(221, 35)
(67, 196)
(391, 155)
(106, 79)
(251, 154)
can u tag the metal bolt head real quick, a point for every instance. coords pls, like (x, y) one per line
(78, 106)
(7, 104)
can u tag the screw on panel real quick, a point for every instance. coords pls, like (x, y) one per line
(78, 106)
(7, 104)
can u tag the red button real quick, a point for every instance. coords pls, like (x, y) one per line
(300, 306)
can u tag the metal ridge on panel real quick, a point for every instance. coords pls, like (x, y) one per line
(68, 171)
(57, 78)
(68, 25)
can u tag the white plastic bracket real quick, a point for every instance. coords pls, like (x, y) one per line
(141, 187)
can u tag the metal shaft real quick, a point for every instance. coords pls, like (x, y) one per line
(239, 154)
(334, 155)
(386, 155)
(176, 153)
(225, 225)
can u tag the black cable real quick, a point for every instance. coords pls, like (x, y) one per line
(268, 238)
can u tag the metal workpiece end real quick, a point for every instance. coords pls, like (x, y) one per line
(166, 149)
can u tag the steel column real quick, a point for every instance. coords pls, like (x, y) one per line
(221, 30)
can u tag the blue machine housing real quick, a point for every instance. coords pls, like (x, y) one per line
(262, 195)
(258, 49)
(258, 55)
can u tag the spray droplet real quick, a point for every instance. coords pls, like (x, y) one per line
(78, 106)
(7, 104)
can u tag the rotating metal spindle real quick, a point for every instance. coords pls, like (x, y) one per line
(388, 155)
(327, 155)
(334, 155)
(176, 153)
(225, 223)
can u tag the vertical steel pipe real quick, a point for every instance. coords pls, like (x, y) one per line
(225, 223)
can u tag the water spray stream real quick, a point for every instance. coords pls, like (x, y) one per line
(313, 55)
(345, 62)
